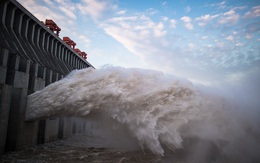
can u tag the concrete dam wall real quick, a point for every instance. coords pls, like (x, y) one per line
(31, 58)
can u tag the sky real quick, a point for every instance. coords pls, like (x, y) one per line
(206, 41)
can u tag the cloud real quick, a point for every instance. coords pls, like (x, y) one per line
(97, 9)
(164, 3)
(230, 38)
(187, 22)
(173, 23)
(121, 12)
(138, 33)
(189, 26)
(84, 39)
(221, 5)
(186, 19)
(67, 12)
(205, 19)
(253, 13)
(164, 18)
(230, 17)
(239, 44)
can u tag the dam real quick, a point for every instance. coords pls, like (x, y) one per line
(32, 56)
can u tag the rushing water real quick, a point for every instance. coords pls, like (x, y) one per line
(167, 116)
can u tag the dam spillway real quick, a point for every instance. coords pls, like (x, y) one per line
(31, 58)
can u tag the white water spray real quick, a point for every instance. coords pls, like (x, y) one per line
(158, 109)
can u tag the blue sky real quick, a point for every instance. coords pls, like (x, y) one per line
(204, 41)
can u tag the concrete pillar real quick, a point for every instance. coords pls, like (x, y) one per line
(55, 77)
(31, 32)
(12, 16)
(5, 99)
(41, 39)
(18, 72)
(15, 123)
(41, 131)
(37, 35)
(25, 25)
(4, 6)
(19, 133)
(51, 129)
(37, 77)
(48, 79)
(3, 64)
(61, 128)
(67, 127)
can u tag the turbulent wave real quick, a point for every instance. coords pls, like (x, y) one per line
(159, 110)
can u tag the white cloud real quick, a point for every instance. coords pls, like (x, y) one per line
(221, 5)
(84, 39)
(139, 34)
(95, 8)
(187, 22)
(164, 18)
(121, 12)
(205, 19)
(230, 17)
(230, 38)
(158, 30)
(239, 44)
(189, 26)
(69, 13)
(186, 19)
(49, 2)
(253, 13)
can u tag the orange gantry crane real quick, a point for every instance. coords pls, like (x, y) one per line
(52, 26)
(56, 29)
(70, 42)
(82, 54)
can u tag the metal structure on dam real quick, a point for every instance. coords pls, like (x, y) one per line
(31, 57)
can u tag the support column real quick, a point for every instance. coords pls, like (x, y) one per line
(37, 77)
(5, 98)
(19, 132)
(3, 64)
